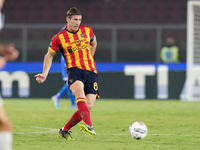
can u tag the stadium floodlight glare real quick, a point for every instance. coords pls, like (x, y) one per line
(193, 51)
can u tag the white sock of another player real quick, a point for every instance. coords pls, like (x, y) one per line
(5, 140)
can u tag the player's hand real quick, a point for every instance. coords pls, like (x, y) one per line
(2, 62)
(40, 78)
(10, 52)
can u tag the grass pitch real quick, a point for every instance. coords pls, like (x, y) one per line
(172, 125)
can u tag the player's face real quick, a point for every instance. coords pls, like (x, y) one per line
(74, 22)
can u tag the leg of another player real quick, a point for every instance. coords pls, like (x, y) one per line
(5, 124)
(57, 98)
(62, 91)
(5, 131)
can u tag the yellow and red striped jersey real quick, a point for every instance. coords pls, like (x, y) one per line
(75, 46)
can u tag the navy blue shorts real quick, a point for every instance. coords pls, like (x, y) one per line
(89, 79)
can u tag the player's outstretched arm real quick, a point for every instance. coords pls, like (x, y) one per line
(41, 77)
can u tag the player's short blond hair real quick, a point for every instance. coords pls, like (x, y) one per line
(73, 11)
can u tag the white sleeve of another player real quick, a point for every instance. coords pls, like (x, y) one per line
(5, 140)
(2, 18)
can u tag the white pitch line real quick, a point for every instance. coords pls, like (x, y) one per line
(56, 130)
(32, 132)
(36, 127)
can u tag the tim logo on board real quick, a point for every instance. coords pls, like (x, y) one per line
(7, 79)
(141, 71)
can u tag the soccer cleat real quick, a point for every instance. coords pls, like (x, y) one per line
(74, 106)
(65, 134)
(87, 129)
(56, 101)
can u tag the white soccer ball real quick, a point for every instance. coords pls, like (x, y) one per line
(138, 130)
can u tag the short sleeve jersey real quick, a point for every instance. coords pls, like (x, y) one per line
(75, 47)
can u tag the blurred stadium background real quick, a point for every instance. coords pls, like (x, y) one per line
(127, 31)
(138, 28)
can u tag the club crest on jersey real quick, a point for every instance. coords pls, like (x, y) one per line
(82, 35)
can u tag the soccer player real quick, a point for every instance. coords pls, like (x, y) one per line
(7, 53)
(65, 89)
(78, 44)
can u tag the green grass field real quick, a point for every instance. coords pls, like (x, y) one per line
(172, 125)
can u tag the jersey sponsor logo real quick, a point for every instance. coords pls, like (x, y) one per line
(77, 41)
(77, 48)
(68, 38)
